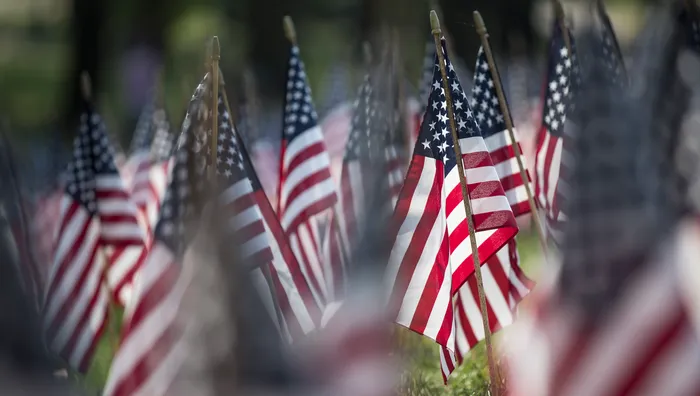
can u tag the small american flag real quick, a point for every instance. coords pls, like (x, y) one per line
(96, 214)
(342, 232)
(356, 157)
(431, 257)
(306, 186)
(561, 81)
(259, 234)
(151, 350)
(149, 166)
(488, 114)
(605, 50)
(505, 284)
(152, 147)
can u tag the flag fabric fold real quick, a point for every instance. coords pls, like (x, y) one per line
(560, 84)
(263, 245)
(96, 216)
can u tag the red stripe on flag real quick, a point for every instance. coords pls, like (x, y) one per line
(306, 154)
(410, 260)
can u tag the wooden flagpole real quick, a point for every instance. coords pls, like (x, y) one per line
(561, 20)
(264, 268)
(493, 369)
(86, 90)
(484, 35)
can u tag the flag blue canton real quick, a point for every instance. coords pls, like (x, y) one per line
(299, 112)
(179, 204)
(359, 139)
(162, 143)
(232, 162)
(484, 100)
(562, 68)
(93, 156)
(435, 139)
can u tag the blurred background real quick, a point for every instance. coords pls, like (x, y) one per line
(122, 44)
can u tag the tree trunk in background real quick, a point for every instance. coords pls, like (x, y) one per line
(88, 18)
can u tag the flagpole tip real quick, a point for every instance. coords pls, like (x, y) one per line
(215, 48)
(85, 85)
(289, 29)
(479, 22)
(435, 22)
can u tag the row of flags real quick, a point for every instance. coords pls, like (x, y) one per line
(125, 235)
(614, 317)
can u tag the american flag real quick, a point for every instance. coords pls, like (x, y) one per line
(488, 114)
(306, 186)
(151, 350)
(431, 257)
(152, 147)
(96, 214)
(343, 232)
(357, 156)
(258, 232)
(148, 166)
(505, 284)
(605, 49)
(561, 81)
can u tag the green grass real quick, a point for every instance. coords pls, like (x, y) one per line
(96, 377)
